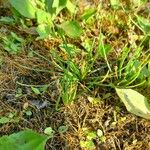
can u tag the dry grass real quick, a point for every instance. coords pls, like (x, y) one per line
(123, 131)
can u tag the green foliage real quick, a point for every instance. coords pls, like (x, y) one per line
(7, 20)
(36, 90)
(43, 31)
(24, 7)
(133, 70)
(49, 131)
(134, 102)
(104, 49)
(88, 143)
(62, 129)
(39, 90)
(9, 117)
(71, 28)
(88, 13)
(13, 43)
(69, 84)
(45, 12)
(24, 140)
(144, 24)
(115, 4)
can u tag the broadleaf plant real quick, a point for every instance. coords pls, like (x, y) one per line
(44, 12)
(135, 102)
(71, 28)
(24, 7)
(24, 140)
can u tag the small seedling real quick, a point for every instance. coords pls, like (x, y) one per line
(49, 131)
(12, 43)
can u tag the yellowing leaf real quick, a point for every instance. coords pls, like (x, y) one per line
(134, 102)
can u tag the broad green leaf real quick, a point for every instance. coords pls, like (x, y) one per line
(24, 140)
(49, 6)
(43, 17)
(44, 31)
(134, 102)
(71, 28)
(24, 7)
(55, 6)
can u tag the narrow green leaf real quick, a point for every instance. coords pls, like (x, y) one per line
(24, 7)
(103, 49)
(36, 90)
(88, 13)
(134, 102)
(144, 23)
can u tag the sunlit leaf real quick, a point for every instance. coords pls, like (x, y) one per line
(71, 28)
(24, 7)
(43, 17)
(134, 102)
(44, 31)
(36, 90)
(49, 131)
(88, 13)
(115, 4)
(70, 6)
(88, 144)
